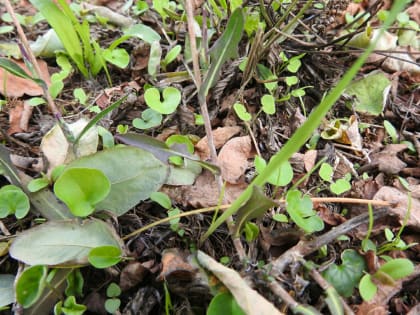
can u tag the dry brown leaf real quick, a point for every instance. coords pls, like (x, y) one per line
(15, 114)
(387, 160)
(220, 136)
(233, 158)
(204, 192)
(132, 274)
(17, 87)
(401, 199)
(309, 159)
(175, 265)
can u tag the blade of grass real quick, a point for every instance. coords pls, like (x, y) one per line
(305, 131)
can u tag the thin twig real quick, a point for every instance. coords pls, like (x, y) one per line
(32, 59)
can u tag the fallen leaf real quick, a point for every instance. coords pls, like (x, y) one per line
(233, 158)
(175, 265)
(17, 87)
(204, 192)
(248, 299)
(401, 199)
(132, 274)
(387, 160)
(309, 159)
(220, 136)
(15, 114)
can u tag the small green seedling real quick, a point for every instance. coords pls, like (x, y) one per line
(338, 187)
(80, 95)
(241, 111)
(171, 56)
(75, 283)
(387, 274)
(112, 304)
(36, 101)
(268, 104)
(164, 201)
(149, 119)
(171, 98)
(281, 177)
(38, 183)
(69, 307)
(81, 189)
(13, 201)
(391, 131)
(300, 210)
(104, 256)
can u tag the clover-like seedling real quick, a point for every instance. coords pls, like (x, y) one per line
(13, 201)
(241, 111)
(81, 189)
(112, 304)
(149, 119)
(171, 97)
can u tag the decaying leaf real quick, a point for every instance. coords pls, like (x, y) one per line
(401, 199)
(17, 87)
(220, 136)
(387, 160)
(233, 158)
(248, 299)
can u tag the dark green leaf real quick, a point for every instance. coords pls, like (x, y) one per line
(30, 285)
(16, 70)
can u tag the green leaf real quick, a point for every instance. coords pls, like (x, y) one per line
(397, 268)
(113, 290)
(133, 173)
(326, 172)
(143, 32)
(104, 256)
(224, 49)
(149, 119)
(301, 212)
(162, 199)
(38, 184)
(346, 276)
(80, 95)
(75, 283)
(280, 217)
(7, 291)
(16, 70)
(35, 101)
(370, 93)
(251, 231)
(112, 305)
(334, 303)
(340, 186)
(268, 104)
(171, 98)
(241, 111)
(81, 189)
(367, 288)
(280, 177)
(391, 131)
(63, 26)
(13, 201)
(62, 243)
(71, 307)
(265, 74)
(255, 207)
(30, 285)
(292, 80)
(107, 137)
(118, 57)
(224, 303)
(172, 54)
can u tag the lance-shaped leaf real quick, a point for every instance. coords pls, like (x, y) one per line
(255, 207)
(161, 150)
(224, 49)
(16, 70)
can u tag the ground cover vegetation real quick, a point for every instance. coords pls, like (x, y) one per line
(209, 157)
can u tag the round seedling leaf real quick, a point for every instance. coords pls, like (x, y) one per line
(268, 104)
(367, 288)
(104, 256)
(118, 57)
(81, 189)
(171, 99)
(397, 268)
(112, 305)
(13, 201)
(340, 186)
(113, 290)
(30, 285)
(38, 184)
(149, 119)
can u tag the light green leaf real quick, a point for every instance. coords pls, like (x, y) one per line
(149, 119)
(397, 268)
(224, 303)
(241, 111)
(172, 54)
(63, 243)
(268, 104)
(154, 59)
(326, 172)
(118, 57)
(162, 199)
(104, 256)
(38, 184)
(81, 189)
(13, 201)
(367, 288)
(171, 98)
(143, 32)
(340, 186)
(112, 305)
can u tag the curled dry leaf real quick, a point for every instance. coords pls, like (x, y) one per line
(220, 136)
(401, 199)
(233, 158)
(17, 87)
